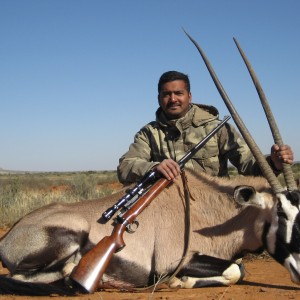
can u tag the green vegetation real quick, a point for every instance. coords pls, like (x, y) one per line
(22, 193)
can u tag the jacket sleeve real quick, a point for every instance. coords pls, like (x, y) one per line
(137, 160)
(234, 148)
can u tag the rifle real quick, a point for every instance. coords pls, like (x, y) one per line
(91, 267)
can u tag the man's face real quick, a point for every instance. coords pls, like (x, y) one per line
(174, 99)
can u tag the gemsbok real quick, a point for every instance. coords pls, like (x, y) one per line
(228, 218)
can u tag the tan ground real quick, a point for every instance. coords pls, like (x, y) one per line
(265, 279)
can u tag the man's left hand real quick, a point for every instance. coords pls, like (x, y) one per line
(280, 155)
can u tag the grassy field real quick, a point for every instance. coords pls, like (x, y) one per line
(21, 193)
(296, 171)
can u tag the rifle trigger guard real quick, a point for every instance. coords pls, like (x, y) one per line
(131, 228)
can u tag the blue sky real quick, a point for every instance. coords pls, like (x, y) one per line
(79, 78)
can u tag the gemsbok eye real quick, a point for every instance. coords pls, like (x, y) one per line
(293, 197)
(280, 211)
(282, 214)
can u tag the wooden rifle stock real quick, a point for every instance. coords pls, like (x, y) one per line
(93, 264)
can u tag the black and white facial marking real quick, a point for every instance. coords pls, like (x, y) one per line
(283, 237)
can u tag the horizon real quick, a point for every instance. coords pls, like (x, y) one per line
(82, 171)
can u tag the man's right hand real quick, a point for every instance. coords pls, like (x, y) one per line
(168, 168)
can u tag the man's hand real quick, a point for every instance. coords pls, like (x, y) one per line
(168, 168)
(283, 154)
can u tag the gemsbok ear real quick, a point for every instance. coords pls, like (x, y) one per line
(246, 195)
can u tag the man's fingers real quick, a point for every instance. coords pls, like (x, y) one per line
(169, 169)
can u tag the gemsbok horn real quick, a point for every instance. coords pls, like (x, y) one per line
(265, 168)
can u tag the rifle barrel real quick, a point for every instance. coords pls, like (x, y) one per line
(189, 154)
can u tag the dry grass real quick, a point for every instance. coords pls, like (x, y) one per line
(22, 193)
(296, 170)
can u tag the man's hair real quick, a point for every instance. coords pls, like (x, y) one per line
(172, 76)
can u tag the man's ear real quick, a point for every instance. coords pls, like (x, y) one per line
(190, 96)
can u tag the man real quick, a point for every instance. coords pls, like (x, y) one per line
(179, 126)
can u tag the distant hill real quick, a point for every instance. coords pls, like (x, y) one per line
(3, 171)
